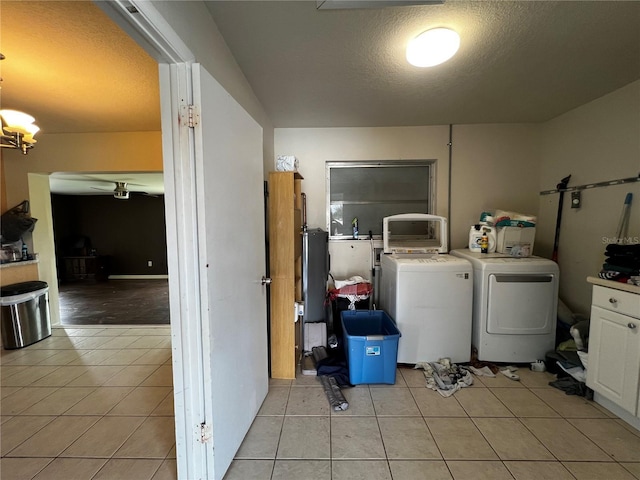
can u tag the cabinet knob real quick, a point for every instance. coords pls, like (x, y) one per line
(632, 326)
(613, 300)
(265, 281)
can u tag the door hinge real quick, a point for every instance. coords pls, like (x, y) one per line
(190, 115)
(204, 433)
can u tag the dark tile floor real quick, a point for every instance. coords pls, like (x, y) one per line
(115, 302)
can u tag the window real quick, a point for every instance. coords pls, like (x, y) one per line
(370, 191)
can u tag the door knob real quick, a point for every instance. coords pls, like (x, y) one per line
(265, 281)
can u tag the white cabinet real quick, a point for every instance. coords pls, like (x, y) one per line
(614, 347)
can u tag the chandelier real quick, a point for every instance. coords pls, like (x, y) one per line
(18, 130)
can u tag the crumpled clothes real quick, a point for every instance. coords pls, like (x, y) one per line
(445, 377)
(571, 386)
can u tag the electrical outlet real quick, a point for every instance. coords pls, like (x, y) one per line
(149, 263)
(576, 199)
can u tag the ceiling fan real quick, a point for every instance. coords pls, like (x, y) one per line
(121, 192)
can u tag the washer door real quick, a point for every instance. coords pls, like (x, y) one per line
(521, 304)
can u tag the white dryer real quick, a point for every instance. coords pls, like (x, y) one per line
(515, 303)
(428, 294)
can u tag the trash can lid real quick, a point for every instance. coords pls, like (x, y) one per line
(23, 287)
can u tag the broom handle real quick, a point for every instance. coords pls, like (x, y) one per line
(623, 224)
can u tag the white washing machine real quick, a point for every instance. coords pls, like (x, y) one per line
(428, 294)
(515, 303)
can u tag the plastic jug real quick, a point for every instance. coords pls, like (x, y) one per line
(475, 235)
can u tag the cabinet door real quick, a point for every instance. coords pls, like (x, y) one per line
(614, 357)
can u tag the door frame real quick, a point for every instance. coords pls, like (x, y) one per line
(191, 375)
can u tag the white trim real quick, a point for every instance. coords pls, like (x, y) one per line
(149, 28)
(138, 277)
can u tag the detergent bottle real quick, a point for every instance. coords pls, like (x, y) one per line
(484, 243)
(475, 237)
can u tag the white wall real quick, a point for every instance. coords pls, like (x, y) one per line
(315, 146)
(197, 29)
(493, 167)
(597, 142)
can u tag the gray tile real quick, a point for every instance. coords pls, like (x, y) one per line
(413, 377)
(523, 403)
(60, 377)
(18, 429)
(408, 438)
(564, 441)
(71, 468)
(249, 469)
(302, 470)
(490, 470)
(480, 402)
(538, 471)
(24, 398)
(153, 439)
(59, 401)
(307, 401)
(305, 438)
(568, 406)
(634, 468)
(54, 437)
(261, 441)
(460, 439)
(360, 470)
(432, 404)
(128, 469)
(419, 469)
(22, 468)
(104, 438)
(394, 401)
(598, 471)
(511, 440)
(29, 375)
(359, 400)
(100, 401)
(168, 470)
(356, 438)
(613, 438)
(275, 402)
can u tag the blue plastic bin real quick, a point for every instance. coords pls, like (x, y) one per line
(371, 345)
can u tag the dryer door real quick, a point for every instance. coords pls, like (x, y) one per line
(521, 304)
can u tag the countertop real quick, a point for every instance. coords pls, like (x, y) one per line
(626, 287)
(19, 263)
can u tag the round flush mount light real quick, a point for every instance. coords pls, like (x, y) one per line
(433, 47)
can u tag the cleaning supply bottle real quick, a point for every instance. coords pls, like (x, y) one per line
(354, 223)
(25, 252)
(484, 243)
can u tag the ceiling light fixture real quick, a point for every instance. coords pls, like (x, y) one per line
(433, 47)
(18, 130)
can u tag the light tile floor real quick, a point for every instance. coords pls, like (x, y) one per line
(496, 429)
(95, 403)
(89, 403)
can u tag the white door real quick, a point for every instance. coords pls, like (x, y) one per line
(229, 182)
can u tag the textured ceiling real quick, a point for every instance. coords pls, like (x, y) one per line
(520, 61)
(75, 71)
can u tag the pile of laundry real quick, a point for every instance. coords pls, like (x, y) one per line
(622, 263)
(445, 377)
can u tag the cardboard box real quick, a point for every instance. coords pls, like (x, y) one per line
(516, 241)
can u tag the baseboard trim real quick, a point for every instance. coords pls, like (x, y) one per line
(138, 277)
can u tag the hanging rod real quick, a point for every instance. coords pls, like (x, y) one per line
(593, 185)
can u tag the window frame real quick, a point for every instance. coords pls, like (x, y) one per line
(340, 164)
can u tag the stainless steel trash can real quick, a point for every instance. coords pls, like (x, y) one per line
(24, 318)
